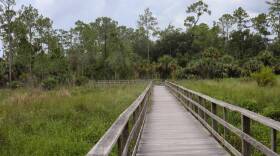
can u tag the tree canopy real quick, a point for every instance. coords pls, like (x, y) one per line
(235, 45)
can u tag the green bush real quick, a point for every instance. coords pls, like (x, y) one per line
(49, 83)
(15, 84)
(81, 80)
(272, 112)
(265, 77)
(252, 66)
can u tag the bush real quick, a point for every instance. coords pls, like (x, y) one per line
(15, 84)
(277, 68)
(252, 66)
(265, 77)
(49, 83)
(81, 80)
(272, 112)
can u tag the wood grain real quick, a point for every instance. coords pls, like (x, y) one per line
(171, 130)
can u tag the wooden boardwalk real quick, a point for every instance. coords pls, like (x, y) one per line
(170, 130)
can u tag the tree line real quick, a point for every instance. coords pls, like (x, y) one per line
(235, 45)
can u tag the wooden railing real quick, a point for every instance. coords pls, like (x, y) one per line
(126, 131)
(204, 108)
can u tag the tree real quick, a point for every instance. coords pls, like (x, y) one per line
(241, 17)
(226, 22)
(261, 24)
(149, 23)
(198, 9)
(28, 16)
(6, 21)
(274, 16)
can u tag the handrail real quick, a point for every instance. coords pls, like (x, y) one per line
(195, 103)
(120, 132)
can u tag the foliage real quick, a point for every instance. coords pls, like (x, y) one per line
(15, 84)
(198, 9)
(239, 92)
(103, 49)
(49, 83)
(272, 112)
(252, 66)
(265, 77)
(66, 121)
(81, 80)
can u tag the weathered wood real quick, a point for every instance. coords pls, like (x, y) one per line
(254, 116)
(214, 111)
(274, 140)
(225, 115)
(217, 136)
(230, 127)
(170, 129)
(114, 133)
(246, 122)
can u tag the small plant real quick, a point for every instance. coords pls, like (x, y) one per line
(15, 84)
(49, 83)
(265, 77)
(272, 112)
(81, 80)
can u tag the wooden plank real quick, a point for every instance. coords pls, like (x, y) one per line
(233, 129)
(246, 122)
(274, 140)
(170, 129)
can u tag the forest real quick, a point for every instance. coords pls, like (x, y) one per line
(37, 54)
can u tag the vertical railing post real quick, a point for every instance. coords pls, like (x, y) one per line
(225, 115)
(214, 111)
(246, 124)
(274, 140)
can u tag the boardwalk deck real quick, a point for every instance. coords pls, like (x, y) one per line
(170, 130)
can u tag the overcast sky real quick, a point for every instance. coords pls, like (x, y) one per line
(65, 13)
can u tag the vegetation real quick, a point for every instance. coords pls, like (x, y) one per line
(65, 121)
(236, 45)
(242, 92)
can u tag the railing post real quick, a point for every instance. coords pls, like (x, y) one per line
(214, 111)
(225, 115)
(274, 140)
(122, 140)
(246, 149)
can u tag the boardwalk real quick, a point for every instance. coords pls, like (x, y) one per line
(170, 130)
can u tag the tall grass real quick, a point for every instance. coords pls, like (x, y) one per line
(241, 92)
(247, 94)
(67, 121)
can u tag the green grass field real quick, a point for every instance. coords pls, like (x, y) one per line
(244, 93)
(66, 121)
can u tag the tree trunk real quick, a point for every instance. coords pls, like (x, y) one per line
(10, 56)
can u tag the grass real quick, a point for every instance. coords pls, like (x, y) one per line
(66, 121)
(241, 92)
(247, 94)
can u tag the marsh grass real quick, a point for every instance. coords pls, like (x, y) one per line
(66, 121)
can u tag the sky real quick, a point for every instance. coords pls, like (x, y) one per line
(65, 13)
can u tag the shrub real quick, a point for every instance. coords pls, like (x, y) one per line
(252, 66)
(15, 84)
(272, 112)
(265, 77)
(266, 57)
(49, 83)
(277, 68)
(81, 80)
